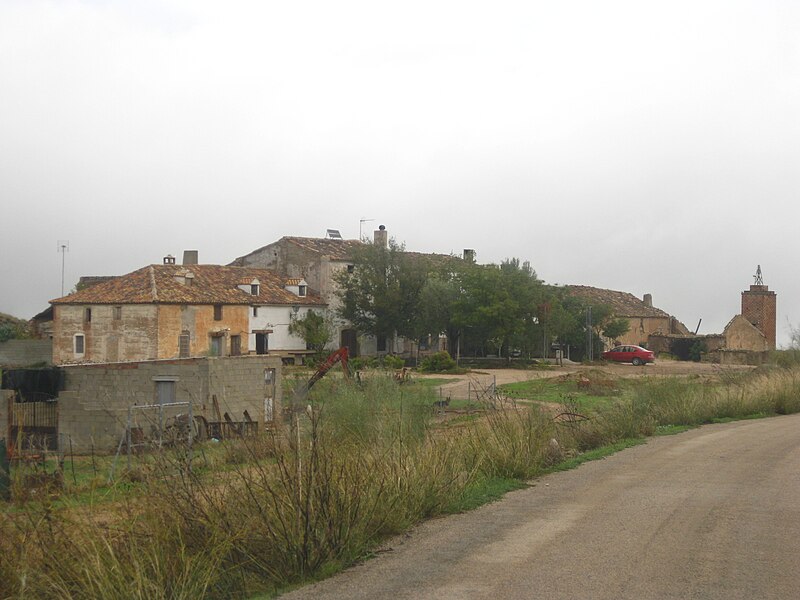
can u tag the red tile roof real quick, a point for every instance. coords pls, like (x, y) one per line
(212, 284)
(335, 249)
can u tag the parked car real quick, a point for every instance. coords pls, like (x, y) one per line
(632, 354)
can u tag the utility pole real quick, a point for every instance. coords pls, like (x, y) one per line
(63, 248)
(589, 345)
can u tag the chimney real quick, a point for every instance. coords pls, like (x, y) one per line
(648, 300)
(382, 237)
(190, 257)
(469, 255)
(169, 259)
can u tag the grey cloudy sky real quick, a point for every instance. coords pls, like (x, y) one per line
(639, 146)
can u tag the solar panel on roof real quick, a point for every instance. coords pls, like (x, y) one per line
(334, 234)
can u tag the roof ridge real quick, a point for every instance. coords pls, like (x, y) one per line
(153, 288)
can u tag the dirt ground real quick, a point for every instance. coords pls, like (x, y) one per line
(468, 384)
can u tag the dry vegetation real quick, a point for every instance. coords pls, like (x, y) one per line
(362, 466)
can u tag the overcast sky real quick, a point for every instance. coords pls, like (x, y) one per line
(651, 147)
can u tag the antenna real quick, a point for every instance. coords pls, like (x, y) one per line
(360, 223)
(62, 246)
(757, 276)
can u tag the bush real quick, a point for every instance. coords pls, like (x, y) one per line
(393, 362)
(437, 363)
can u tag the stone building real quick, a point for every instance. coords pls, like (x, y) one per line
(644, 319)
(177, 311)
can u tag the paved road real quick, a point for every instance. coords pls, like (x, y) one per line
(711, 513)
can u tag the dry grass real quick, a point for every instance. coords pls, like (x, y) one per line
(360, 466)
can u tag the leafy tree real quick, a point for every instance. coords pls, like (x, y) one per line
(616, 328)
(314, 329)
(381, 296)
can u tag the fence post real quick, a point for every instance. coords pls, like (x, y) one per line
(5, 472)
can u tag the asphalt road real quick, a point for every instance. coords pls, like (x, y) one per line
(710, 513)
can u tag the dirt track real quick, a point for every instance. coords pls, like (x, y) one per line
(711, 513)
(482, 377)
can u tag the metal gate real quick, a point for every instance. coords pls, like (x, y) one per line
(33, 425)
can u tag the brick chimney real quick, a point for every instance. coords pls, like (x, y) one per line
(190, 257)
(382, 237)
(648, 300)
(759, 306)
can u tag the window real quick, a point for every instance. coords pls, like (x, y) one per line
(255, 311)
(351, 268)
(80, 346)
(236, 345)
(302, 290)
(218, 312)
(116, 313)
(216, 346)
(87, 315)
(381, 343)
(254, 289)
(184, 348)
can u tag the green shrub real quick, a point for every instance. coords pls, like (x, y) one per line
(393, 362)
(437, 363)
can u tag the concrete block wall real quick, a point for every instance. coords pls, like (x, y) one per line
(22, 353)
(93, 407)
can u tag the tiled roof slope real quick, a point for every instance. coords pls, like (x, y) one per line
(623, 304)
(212, 284)
(335, 249)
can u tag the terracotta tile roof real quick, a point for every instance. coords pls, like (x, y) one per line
(335, 249)
(623, 304)
(212, 284)
(294, 281)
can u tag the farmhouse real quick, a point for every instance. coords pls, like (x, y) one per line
(179, 311)
(644, 319)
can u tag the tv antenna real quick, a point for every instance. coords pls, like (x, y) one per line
(62, 246)
(757, 276)
(360, 223)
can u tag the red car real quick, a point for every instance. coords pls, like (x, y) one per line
(632, 354)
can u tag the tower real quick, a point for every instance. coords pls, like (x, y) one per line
(759, 307)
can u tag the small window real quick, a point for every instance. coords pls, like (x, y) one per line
(302, 290)
(117, 313)
(236, 345)
(80, 346)
(216, 346)
(184, 347)
(255, 311)
(87, 315)
(351, 268)
(218, 312)
(381, 343)
(254, 289)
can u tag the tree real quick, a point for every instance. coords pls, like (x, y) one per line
(615, 328)
(314, 329)
(381, 295)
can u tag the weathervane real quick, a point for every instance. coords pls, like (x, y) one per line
(757, 276)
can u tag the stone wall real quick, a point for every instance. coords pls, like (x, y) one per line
(198, 321)
(93, 406)
(22, 353)
(111, 333)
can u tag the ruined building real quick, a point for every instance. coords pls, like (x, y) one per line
(759, 307)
